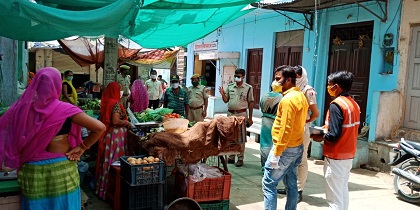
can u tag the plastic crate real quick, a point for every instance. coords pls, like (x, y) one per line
(210, 189)
(222, 205)
(144, 197)
(144, 174)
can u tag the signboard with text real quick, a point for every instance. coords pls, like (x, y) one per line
(208, 55)
(205, 46)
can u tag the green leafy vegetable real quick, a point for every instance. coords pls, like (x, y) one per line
(3, 110)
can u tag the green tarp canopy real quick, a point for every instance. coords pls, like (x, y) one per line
(150, 23)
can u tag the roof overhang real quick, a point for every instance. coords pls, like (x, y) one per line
(308, 7)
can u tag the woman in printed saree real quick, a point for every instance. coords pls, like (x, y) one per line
(41, 137)
(112, 144)
(139, 98)
(69, 93)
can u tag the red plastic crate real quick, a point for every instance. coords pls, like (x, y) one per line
(210, 189)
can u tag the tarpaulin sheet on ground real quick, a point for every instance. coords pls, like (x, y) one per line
(150, 23)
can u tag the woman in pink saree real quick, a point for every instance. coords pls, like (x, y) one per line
(41, 137)
(139, 98)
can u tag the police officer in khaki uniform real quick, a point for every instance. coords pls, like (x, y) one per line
(124, 80)
(240, 98)
(198, 100)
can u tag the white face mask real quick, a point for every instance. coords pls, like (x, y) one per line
(153, 76)
(238, 79)
(121, 93)
(175, 85)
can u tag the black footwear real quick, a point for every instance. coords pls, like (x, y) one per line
(282, 191)
(239, 163)
(231, 161)
(299, 196)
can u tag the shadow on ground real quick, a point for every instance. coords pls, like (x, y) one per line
(246, 185)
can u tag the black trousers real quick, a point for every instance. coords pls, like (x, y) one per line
(154, 104)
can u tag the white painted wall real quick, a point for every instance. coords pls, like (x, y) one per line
(387, 110)
(391, 109)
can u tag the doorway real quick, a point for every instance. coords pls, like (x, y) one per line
(289, 48)
(412, 99)
(207, 71)
(350, 50)
(253, 73)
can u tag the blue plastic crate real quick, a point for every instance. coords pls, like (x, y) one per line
(144, 197)
(143, 174)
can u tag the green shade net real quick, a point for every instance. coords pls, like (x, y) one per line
(150, 23)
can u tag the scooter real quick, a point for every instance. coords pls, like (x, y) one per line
(407, 176)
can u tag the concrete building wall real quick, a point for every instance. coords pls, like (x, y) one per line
(316, 57)
(409, 18)
(8, 72)
(389, 113)
(258, 29)
(389, 108)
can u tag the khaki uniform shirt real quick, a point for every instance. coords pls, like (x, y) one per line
(125, 83)
(239, 96)
(154, 89)
(197, 95)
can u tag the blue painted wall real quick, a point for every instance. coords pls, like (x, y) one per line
(377, 82)
(258, 29)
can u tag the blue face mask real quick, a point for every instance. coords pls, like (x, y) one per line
(70, 78)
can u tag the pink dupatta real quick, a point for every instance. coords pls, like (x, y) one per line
(31, 122)
(139, 97)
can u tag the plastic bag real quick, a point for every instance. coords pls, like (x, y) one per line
(201, 171)
(160, 111)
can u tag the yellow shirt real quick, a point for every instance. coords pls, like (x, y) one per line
(290, 120)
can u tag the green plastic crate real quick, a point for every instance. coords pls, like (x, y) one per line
(219, 205)
(9, 186)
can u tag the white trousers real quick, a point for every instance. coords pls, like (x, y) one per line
(303, 166)
(337, 173)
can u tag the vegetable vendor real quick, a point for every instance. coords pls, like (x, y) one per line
(68, 93)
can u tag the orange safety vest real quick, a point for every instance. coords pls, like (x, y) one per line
(345, 146)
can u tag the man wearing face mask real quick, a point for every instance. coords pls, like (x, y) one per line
(310, 94)
(154, 89)
(287, 134)
(124, 80)
(340, 140)
(198, 100)
(240, 97)
(176, 98)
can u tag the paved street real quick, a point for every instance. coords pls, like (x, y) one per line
(368, 189)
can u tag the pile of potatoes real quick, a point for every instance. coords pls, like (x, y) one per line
(145, 160)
